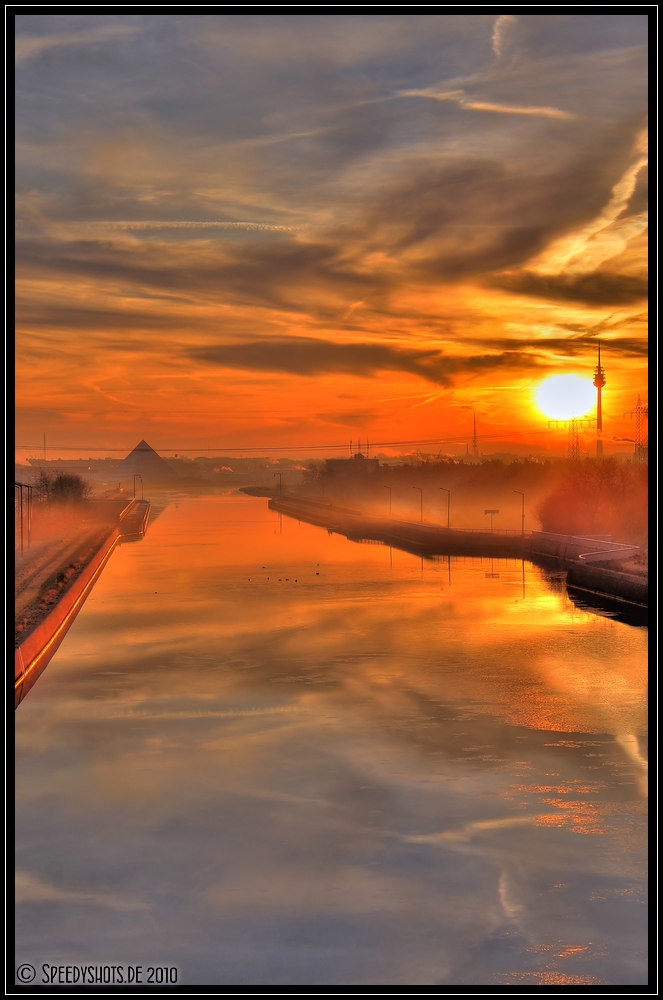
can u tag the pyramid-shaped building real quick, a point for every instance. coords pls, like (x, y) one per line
(144, 461)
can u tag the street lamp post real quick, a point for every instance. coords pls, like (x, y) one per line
(491, 512)
(421, 502)
(389, 488)
(24, 511)
(21, 514)
(522, 516)
(280, 484)
(448, 492)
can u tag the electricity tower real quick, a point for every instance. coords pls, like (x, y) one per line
(573, 424)
(641, 414)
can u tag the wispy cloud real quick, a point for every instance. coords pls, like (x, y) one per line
(460, 98)
(585, 249)
(503, 27)
(470, 830)
(157, 224)
(30, 46)
(31, 889)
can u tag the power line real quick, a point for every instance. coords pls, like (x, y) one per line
(259, 448)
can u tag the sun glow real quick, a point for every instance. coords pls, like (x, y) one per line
(564, 396)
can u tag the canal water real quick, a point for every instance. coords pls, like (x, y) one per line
(267, 755)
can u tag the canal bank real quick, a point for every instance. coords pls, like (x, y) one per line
(56, 600)
(576, 556)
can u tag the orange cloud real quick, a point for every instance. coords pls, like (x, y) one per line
(214, 268)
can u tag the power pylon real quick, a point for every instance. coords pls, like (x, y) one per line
(475, 446)
(573, 424)
(641, 413)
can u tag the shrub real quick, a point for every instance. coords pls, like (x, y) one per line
(61, 487)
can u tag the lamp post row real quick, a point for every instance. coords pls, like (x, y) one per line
(523, 511)
(421, 502)
(448, 492)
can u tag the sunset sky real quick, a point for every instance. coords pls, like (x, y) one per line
(259, 231)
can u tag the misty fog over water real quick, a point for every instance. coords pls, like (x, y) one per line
(267, 755)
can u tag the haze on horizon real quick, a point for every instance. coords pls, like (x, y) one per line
(276, 230)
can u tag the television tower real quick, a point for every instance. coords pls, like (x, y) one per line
(475, 447)
(599, 382)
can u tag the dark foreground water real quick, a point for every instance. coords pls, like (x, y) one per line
(265, 755)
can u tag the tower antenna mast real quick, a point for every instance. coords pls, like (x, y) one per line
(599, 382)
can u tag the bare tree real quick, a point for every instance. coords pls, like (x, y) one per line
(61, 487)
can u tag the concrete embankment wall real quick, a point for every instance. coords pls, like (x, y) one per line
(550, 551)
(427, 539)
(34, 653)
(609, 582)
(564, 553)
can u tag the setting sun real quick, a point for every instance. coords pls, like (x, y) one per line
(564, 396)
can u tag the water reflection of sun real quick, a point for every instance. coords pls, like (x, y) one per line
(564, 396)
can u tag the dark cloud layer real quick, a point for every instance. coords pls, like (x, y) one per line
(257, 273)
(576, 346)
(308, 356)
(599, 288)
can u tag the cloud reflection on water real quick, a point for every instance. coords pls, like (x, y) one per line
(363, 777)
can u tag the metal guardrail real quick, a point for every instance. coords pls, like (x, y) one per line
(483, 531)
(604, 551)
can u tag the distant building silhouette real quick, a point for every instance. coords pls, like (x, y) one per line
(144, 461)
(358, 465)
